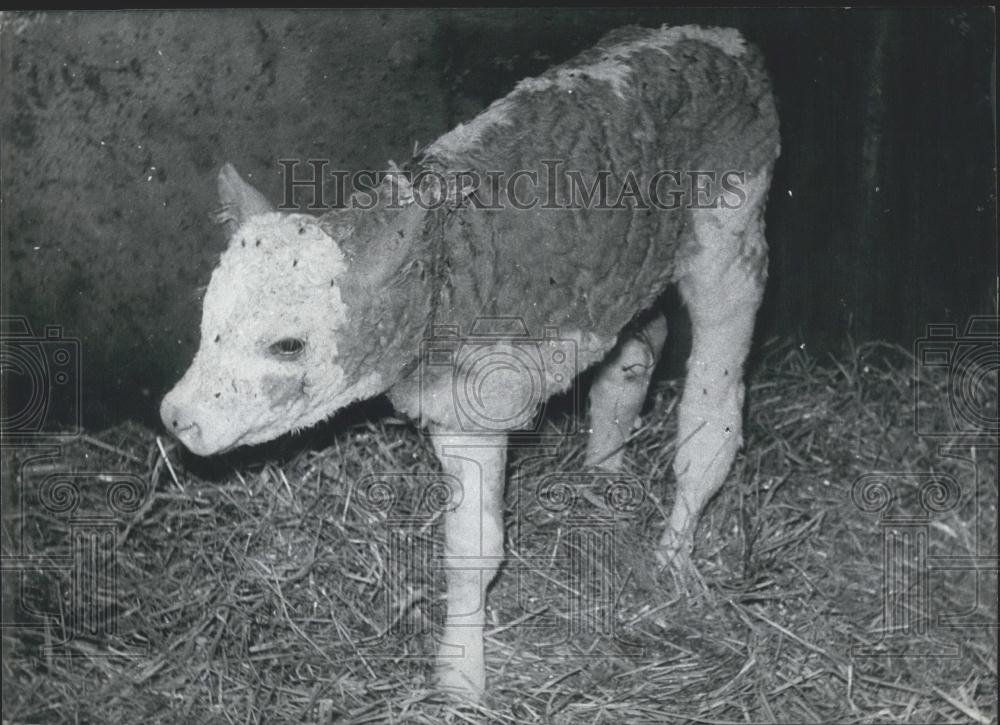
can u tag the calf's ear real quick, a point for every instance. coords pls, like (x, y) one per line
(239, 201)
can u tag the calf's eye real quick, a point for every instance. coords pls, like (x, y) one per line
(287, 347)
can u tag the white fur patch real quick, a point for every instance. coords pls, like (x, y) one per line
(279, 280)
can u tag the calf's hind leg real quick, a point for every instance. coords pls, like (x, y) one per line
(721, 283)
(618, 391)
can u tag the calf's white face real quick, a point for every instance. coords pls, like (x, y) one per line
(268, 359)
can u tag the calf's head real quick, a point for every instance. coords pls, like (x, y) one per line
(276, 326)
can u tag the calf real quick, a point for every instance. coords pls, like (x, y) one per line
(304, 314)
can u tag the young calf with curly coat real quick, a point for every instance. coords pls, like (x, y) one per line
(305, 315)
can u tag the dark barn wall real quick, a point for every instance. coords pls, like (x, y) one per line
(889, 150)
(114, 124)
(114, 127)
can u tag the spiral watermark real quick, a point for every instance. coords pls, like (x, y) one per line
(592, 506)
(76, 561)
(908, 506)
(582, 576)
(406, 505)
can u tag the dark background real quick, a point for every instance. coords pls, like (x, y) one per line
(113, 126)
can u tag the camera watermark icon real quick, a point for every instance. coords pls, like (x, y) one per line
(497, 377)
(41, 383)
(79, 571)
(971, 362)
(907, 505)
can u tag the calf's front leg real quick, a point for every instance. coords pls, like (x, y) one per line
(473, 551)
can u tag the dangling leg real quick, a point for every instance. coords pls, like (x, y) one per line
(473, 552)
(722, 284)
(619, 390)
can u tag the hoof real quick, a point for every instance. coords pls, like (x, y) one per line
(462, 685)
